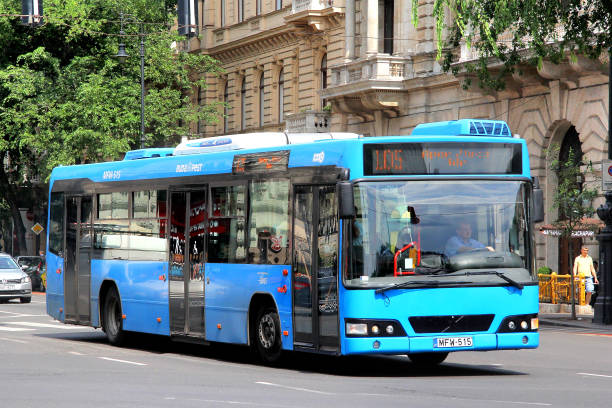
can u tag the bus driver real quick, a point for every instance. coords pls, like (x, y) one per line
(463, 241)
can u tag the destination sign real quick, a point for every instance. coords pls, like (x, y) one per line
(442, 158)
(260, 162)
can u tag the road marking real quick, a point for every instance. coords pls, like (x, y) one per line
(595, 375)
(228, 402)
(48, 325)
(122, 361)
(13, 340)
(293, 388)
(14, 329)
(76, 353)
(21, 315)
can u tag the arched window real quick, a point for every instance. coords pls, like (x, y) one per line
(279, 4)
(261, 100)
(222, 8)
(323, 74)
(257, 7)
(225, 109)
(281, 96)
(243, 105)
(240, 10)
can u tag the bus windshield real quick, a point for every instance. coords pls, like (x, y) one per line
(430, 229)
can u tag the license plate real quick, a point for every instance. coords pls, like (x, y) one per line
(447, 342)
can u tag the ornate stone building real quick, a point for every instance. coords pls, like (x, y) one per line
(286, 60)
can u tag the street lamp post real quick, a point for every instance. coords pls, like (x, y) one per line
(122, 55)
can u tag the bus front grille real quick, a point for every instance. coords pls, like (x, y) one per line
(451, 324)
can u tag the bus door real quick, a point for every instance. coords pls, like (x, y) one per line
(315, 267)
(188, 223)
(77, 262)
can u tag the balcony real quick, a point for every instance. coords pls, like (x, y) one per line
(317, 14)
(308, 122)
(372, 84)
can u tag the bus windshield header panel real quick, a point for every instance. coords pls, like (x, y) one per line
(445, 158)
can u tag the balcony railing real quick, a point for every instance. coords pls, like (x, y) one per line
(303, 5)
(379, 68)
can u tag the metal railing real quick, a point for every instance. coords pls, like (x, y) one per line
(558, 289)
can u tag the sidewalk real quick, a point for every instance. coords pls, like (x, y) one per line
(560, 315)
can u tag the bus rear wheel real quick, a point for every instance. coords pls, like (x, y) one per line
(267, 335)
(427, 359)
(113, 320)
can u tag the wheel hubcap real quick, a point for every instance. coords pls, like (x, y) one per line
(267, 331)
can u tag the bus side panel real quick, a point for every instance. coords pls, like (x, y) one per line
(143, 289)
(502, 301)
(228, 293)
(55, 286)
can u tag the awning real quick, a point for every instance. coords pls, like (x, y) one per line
(586, 228)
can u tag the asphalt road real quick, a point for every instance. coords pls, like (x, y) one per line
(48, 364)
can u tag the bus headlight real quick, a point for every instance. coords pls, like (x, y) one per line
(373, 328)
(25, 279)
(356, 329)
(519, 323)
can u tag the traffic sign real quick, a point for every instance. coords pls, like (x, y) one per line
(606, 175)
(37, 228)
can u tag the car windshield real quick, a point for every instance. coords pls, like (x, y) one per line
(7, 263)
(415, 230)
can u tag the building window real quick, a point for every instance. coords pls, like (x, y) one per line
(258, 7)
(225, 109)
(281, 96)
(323, 74)
(261, 100)
(243, 105)
(279, 4)
(388, 26)
(240, 10)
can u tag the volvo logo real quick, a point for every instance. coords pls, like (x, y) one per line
(3, 280)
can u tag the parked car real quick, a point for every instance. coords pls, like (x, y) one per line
(14, 282)
(34, 266)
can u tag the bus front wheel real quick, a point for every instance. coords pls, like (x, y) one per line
(427, 359)
(113, 321)
(267, 336)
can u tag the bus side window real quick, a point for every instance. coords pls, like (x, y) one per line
(268, 221)
(226, 229)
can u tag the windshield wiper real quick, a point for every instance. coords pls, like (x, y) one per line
(419, 284)
(501, 275)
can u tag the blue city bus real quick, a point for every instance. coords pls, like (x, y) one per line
(327, 243)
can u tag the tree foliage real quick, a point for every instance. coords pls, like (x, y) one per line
(512, 32)
(64, 99)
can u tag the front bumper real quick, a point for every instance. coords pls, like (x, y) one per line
(15, 291)
(404, 345)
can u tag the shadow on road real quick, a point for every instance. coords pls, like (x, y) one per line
(350, 366)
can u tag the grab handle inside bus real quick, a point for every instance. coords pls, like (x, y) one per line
(346, 201)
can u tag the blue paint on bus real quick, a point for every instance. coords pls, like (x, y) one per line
(229, 289)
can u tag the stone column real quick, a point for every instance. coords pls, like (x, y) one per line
(372, 28)
(349, 30)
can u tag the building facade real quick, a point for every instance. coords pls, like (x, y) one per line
(361, 66)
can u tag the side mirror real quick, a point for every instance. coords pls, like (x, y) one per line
(537, 201)
(346, 200)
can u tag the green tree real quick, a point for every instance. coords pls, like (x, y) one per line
(572, 199)
(508, 33)
(64, 99)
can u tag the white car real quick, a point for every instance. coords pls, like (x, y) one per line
(14, 283)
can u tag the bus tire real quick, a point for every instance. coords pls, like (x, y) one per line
(427, 359)
(267, 335)
(113, 321)
(25, 299)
